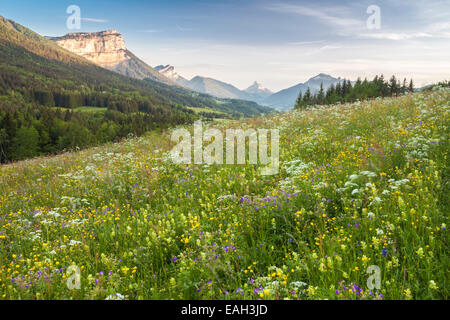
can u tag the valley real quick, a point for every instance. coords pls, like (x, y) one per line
(29, 92)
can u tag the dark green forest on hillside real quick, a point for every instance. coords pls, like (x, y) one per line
(42, 85)
(28, 130)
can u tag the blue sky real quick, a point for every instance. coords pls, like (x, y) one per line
(278, 43)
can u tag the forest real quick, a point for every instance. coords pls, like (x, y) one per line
(31, 130)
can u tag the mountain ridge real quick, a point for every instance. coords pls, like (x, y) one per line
(108, 50)
(281, 100)
(214, 87)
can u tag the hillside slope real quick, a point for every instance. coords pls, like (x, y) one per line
(362, 184)
(216, 88)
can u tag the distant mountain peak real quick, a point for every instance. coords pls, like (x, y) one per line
(257, 88)
(285, 99)
(322, 76)
(164, 68)
(257, 85)
(168, 71)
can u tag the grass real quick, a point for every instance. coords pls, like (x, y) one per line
(84, 109)
(209, 110)
(360, 184)
(91, 109)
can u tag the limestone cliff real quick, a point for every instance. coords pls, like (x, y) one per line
(108, 50)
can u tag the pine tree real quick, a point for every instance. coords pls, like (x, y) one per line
(404, 86)
(321, 95)
(411, 86)
(349, 86)
(393, 86)
(344, 89)
(298, 104)
(307, 99)
(383, 87)
(339, 90)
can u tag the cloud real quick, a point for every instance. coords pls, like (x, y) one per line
(395, 36)
(183, 29)
(329, 47)
(320, 14)
(440, 26)
(399, 36)
(305, 43)
(151, 31)
(94, 20)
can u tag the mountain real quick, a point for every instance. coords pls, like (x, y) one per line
(216, 88)
(169, 72)
(204, 85)
(285, 99)
(282, 100)
(53, 100)
(258, 90)
(33, 65)
(107, 49)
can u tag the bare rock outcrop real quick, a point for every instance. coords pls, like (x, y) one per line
(107, 49)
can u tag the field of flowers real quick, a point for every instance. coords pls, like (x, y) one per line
(361, 184)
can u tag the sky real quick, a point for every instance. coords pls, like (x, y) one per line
(277, 43)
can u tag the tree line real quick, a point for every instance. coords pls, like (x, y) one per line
(345, 91)
(29, 130)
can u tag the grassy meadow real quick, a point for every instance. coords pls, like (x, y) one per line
(360, 184)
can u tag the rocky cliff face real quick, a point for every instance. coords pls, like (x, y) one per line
(108, 50)
(169, 72)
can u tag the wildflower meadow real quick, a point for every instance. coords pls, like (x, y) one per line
(358, 210)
